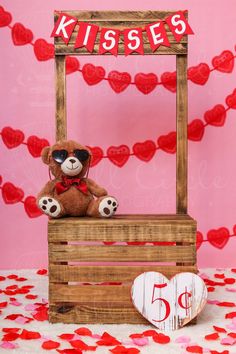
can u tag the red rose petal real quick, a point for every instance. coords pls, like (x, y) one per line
(215, 352)
(232, 334)
(219, 329)
(10, 330)
(67, 336)
(161, 338)
(2, 278)
(42, 271)
(50, 344)
(229, 280)
(69, 351)
(21, 279)
(230, 315)
(194, 349)
(212, 336)
(150, 333)
(83, 331)
(120, 349)
(11, 336)
(136, 335)
(3, 304)
(219, 276)
(27, 335)
(31, 297)
(41, 315)
(12, 276)
(233, 270)
(210, 289)
(226, 304)
(79, 344)
(107, 339)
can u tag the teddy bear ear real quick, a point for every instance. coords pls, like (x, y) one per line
(45, 155)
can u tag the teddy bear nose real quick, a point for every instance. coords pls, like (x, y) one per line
(72, 160)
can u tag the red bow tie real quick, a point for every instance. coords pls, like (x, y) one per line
(68, 182)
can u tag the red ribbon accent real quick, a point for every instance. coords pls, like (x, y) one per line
(66, 183)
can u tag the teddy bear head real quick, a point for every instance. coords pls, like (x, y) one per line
(67, 158)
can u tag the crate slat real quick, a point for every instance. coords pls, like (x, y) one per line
(66, 273)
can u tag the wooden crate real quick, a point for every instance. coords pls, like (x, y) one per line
(71, 302)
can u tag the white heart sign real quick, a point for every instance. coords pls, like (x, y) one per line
(169, 304)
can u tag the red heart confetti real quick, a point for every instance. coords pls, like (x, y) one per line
(146, 83)
(5, 17)
(216, 116)
(11, 137)
(107, 340)
(43, 50)
(167, 142)
(199, 240)
(118, 155)
(72, 65)
(218, 238)
(50, 344)
(199, 74)
(224, 62)
(169, 81)
(231, 100)
(11, 194)
(21, 35)
(35, 145)
(93, 74)
(212, 336)
(145, 151)
(97, 155)
(196, 130)
(119, 81)
(31, 207)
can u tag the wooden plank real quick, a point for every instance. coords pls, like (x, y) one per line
(123, 229)
(174, 49)
(60, 98)
(181, 127)
(80, 253)
(61, 273)
(95, 313)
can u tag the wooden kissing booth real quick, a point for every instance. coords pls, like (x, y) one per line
(69, 300)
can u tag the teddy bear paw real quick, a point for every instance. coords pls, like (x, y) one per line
(49, 206)
(107, 207)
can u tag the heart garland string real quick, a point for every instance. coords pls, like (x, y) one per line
(12, 194)
(118, 81)
(144, 151)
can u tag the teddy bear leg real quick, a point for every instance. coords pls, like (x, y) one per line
(103, 207)
(50, 206)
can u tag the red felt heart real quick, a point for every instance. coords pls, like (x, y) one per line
(145, 151)
(35, 145)
(5, 17)
(97, 155)
(11, 137)
(224, 62)
(218, 238)
(93, 74)
(231, 100)
(216, 116)
(11, 194)
(199, 239)
(119, 155)
(169, 81)
(199, 74)
(31, 207)
(119, 81)
(168, 142)
(43, 50)
(196, 130)
(21, 35)
(72, 65)
(50, 344)
(145, 83)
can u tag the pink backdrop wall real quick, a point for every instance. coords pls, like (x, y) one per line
(100, 117)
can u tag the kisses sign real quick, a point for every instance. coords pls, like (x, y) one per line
(133, 37)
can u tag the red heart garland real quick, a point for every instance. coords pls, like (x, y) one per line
(216, 116)
(119, 81)
(218, 238)
(35, 145)
(97, 155)
(199, 74)
(43, 50)
(167, 142)
(72, 65)
(145, 151)
(5, 17)
(93, 74)
(231, 100)
(11, 194)
(21, 35)
(145, 83)
(169, 81)
(196, 130)
(31, 207)
(199, 239)
(11, 137)
(224, 62)
(118, 155)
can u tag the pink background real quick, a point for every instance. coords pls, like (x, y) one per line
(99, 117)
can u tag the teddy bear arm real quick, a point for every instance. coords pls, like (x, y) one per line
(95, 189)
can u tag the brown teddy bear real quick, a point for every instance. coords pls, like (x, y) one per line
(71, 193)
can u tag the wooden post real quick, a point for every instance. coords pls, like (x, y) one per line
(181, 127)
(61, 129)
